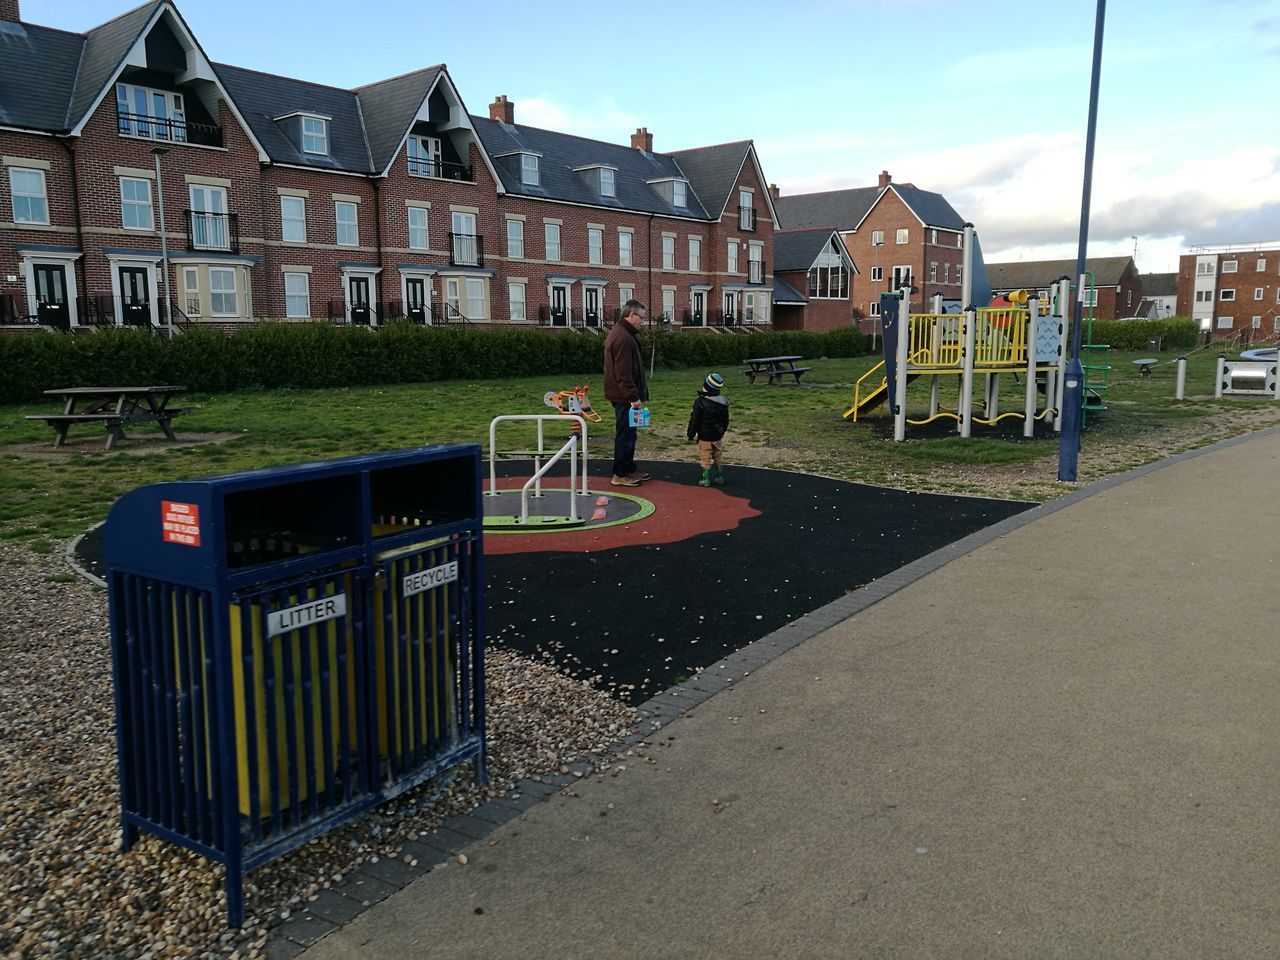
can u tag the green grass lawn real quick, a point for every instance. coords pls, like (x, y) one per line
(786, 427)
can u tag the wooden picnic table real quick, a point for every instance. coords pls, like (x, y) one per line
(113, 407)
(776, 368)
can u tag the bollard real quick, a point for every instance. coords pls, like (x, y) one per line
(1217, 379)
(1180, 393)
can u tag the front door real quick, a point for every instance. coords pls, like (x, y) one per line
(699, 308)
(591, 306)
(51, 295)
(135, 297)
(559, 306)
(730, 309)
(358, 291)
(415, 299)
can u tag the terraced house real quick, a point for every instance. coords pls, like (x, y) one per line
(285, 199)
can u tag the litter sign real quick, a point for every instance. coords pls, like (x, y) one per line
(180, 523)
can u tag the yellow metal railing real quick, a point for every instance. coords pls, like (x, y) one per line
(1000, 337)
(852, 412)
(935, 340)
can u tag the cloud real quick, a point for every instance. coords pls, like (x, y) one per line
(602, 119)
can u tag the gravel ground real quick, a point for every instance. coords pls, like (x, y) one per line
(72, 894)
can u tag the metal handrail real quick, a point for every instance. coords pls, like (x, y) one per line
(536, 480)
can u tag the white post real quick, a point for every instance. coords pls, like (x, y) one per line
(1029, 404)
(966, 379)
(935, 356)
(1181, 391)
(1217, 379)
(1063, 317)
(537, 465)
(966, 282)
(900, 374)
(1276, 367)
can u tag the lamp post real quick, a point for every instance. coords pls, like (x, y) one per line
(1073, 386)
(159, 152)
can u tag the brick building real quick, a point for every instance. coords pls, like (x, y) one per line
(896, 233)
(1118, 291)
(1232, 288)
(289, 199)
(813, 280)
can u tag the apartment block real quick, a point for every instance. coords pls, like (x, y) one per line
(1232, 288)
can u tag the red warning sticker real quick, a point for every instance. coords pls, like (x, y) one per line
(180, 523)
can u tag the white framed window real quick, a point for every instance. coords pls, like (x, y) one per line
(516, 301)
(452, 295)
(135, 203)
(933, 271)
(755, 263)
(1257, 293)
(901, 278)
(1225, 323)
(732, 252)
(423, 154)
(552, 237)
(668, 253)
(625, 293)
(877, 238)
(695, 254)
(1230, 266)
(1227, 294)
(1205, 269)
(529, 172)
(877, 274)
(1261, 265)
(1275, 324)
(154, 114)
(293, 219)
(1090, 297)
(901, 235)
(346, 223)
(746, 210)
(191, 291)
(30, 200)
(210, 227)
(828, 275)
(933, 237)
(418, 237)
(608, 182)
(475, 299)
(946, 273)
(959, 241)
(680, 193)
(222, 292)
(624, 248)
(297, 296)
(315, 135)
(515, 239)
(1255, 323)
(1204, 296)
(1128, 298)
(873, 308)
(669, 304)
(595, 245)
(959, 268)
(1278, 295)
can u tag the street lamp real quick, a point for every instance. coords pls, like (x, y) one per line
(159, 152)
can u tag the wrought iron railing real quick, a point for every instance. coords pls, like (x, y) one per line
(442, 311)
(440, 169)
(466, 250)
(212, 231)
(169, 129)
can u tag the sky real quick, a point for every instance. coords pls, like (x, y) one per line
(985, 102)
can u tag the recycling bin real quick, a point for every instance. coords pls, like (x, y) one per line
(293, 646)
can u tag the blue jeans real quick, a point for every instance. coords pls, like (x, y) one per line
(624, 441)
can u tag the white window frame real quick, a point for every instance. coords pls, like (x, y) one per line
(339, 223)
(873, 308)
(1206, 269)
(297, 221)
(946, 272)
(933, 271)
(595, 246)
(608, 182)
(959, 270)
(42, 196)
(1230, 266)
(291, 296)
(421, 151)
(126, 203)
(679, 193)
(933, 237)
(877, 238)
(1261, 265)
(551, 239)
(1226, 323)
(668, 253)
(1090, 297)
(191, 291)
(323, 135)
(669, 305)
(453, 294)
(902, 235)
(1257, 293)
(877, 274)
(522, 314)
(624, 248)
(695, 254)
(899, 270)
(156, 126)
(530, 172)
(422, 229)
(1204, 296)
(1255, 323)
(475, 305)
(1227, 294)
(212, 201)
(215, 293)
(625, 293)
(515, 239)
(746, 200)
(732, 256)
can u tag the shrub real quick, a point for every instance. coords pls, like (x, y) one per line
(1176, 333)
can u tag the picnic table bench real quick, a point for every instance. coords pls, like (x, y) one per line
(114, 407)
(1144, 365)
(776, 368)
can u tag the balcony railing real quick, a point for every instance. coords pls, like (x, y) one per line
(755, 271)
(747, 218)
(466, 250)
(212, 231)
(440, 169)
(167, 128)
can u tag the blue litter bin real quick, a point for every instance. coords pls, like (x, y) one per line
(293, 646)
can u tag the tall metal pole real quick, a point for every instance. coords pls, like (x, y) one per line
(1073, 386)
(164, 245)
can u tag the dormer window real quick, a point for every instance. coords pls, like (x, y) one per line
(315, 135)
(529, 169)
(424, 156)
(679, 193)
(608, 182)
(155, 114)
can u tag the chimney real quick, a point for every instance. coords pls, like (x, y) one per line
(642, 139)
(885, 179)
(502, 109)
(9, 10)
(774, 191)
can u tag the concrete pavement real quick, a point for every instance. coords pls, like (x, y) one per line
(1063, 744)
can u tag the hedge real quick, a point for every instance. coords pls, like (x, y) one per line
(274, 355)
(1176, 333)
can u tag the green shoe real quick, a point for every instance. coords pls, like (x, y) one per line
(717, 476)
(706, 479)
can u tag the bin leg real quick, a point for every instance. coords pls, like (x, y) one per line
(128, 835)
(235, 893)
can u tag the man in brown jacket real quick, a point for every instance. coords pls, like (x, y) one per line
(625, 388)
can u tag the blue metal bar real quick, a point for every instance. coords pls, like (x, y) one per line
(290, 687)
(168, 701)
(147, 723)
(199, 715)
(223, 838)
(395, 606)
(419, 698)
(250, 657)
(179, 600)
(123, 702)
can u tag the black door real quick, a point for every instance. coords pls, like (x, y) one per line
(592, 305)
(415, 300)
(730, 309)
(699, 307)
(51, 296)
(135, 297)
(559, 313)
(359, 290)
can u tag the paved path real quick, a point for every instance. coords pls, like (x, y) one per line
(1064, 744)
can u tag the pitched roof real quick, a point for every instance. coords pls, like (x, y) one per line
(837, 209)
(37, 75)
(932, 208)
(1107, 271)
(105, 47)
(1159, 284)
(797, 249)
(561, 153)
(388, 109)
(784, 294)
(712, 171)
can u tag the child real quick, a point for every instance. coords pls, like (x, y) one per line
(707, 424)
